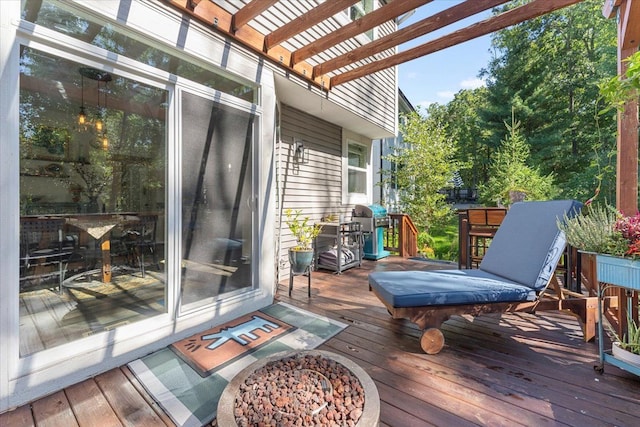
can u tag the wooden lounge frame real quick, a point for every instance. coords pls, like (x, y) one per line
(430, 318)
(517, 274)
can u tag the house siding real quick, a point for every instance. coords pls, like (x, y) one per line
(315, 187)
(372, 97)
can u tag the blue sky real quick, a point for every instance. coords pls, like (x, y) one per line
(438, 76)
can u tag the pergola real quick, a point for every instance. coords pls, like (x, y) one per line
(362, 61)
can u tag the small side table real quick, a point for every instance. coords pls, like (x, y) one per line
(306, 272)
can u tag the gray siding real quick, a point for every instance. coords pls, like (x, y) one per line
(316, 187)
(371, 97)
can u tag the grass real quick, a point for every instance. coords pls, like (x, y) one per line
(443, 240)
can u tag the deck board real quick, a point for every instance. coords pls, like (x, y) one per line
(89, 404)
(53, 410)
(132, 409)
(512, 369)
(21, 417)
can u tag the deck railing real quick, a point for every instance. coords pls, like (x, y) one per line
(401, 236)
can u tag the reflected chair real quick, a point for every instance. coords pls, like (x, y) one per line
(44, 250)
(140, 238)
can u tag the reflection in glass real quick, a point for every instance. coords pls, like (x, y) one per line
(92, 213)
(52, 15)
(216, 200)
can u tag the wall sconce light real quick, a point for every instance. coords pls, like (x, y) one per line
(300, 152)
(83, 120)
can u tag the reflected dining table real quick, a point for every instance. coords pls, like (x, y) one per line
(99, 227)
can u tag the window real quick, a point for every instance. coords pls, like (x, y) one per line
(54, 16)
(358, 10)
(357, 172)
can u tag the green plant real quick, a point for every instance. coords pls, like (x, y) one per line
(301, 229)
(620, 89)
(631, 340)
(593, 230)
(510, 177)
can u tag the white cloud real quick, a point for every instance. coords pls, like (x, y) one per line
(424, 104)
(445, 95)
(473, 83)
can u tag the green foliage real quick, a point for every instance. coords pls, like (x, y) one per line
(467, 129)
(619, 89)
(547, 69)
(444, 240)
(301, 229)
(593, 230)
(425, 166)
(510, 174)
(630, 341)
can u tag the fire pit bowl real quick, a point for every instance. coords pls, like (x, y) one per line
(316, 386)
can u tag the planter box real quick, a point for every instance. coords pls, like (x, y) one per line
(618, 271)
(624, 355)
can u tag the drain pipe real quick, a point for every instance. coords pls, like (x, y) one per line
(279, 195)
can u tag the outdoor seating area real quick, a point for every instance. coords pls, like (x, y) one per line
(515, 369)
(514, 276)
(197, 192)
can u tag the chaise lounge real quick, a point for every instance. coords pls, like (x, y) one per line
(514, 276)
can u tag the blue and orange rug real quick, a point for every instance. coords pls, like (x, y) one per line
(188, 377)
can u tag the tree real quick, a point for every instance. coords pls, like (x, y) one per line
(425, 166)
(510, 177)
(548, 69)
(466, 127)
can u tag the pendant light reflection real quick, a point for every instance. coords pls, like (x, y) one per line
(84, 122)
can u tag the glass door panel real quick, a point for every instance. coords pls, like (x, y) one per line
(217, 219)
(92, 200)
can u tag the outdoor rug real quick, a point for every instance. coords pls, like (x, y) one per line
(187, 380)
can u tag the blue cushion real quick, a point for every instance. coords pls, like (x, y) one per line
(518, 264)
(528, 244)
(446, 287)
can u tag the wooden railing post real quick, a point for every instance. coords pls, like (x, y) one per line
(402, 236)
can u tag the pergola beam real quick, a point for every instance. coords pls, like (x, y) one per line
(609, 9)
(250, 11)
(525, 12)
(629, 24)
(628, 13)
(427, 25)
(305, 21)
(383, 14)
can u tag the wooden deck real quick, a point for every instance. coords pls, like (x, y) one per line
(516, 369)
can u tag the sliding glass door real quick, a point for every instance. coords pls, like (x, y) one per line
(217, 199)
(93, 149)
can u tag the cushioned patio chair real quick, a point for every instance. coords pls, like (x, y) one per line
(513, 276)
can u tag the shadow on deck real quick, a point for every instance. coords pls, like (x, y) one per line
(510, 369)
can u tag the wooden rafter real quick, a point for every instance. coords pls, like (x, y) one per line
(609, 9)
(250, 11)
(427, 25)
(629, 25)
(525, 12)
(303, 22)
(383, 14)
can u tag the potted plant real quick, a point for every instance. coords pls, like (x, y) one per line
(301, 255)
(627, 348)
(615, 241)
(594, 230)
(612, 237)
